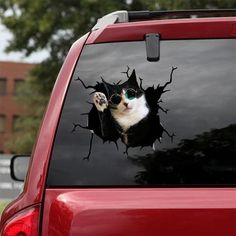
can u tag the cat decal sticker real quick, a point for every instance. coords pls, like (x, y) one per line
(126, 111)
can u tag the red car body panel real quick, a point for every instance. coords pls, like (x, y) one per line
(147, 212)
(137, 211)
(168, 29)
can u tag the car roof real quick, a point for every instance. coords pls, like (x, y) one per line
(199, 24)
(130, 16)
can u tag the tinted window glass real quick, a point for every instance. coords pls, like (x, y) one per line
(185, 105)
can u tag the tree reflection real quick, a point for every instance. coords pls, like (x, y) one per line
(209, 158)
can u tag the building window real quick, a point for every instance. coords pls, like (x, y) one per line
(16, 120)
(2, 123)
(3, 86)
(17, 86)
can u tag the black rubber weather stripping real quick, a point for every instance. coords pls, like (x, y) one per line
(145, 15)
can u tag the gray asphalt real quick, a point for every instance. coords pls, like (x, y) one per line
(9, 189)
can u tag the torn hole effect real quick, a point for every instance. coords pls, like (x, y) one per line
(134, 118)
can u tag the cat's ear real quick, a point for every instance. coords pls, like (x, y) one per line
(107, 88)
(133, 80)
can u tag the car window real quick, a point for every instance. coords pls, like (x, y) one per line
(181, 131)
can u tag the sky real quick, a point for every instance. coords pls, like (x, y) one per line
(5, 36)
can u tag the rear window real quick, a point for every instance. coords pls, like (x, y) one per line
(130, 122)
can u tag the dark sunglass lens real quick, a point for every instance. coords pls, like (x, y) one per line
(115, 99)
(130, 93)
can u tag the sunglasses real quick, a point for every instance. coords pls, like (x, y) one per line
(129, 94)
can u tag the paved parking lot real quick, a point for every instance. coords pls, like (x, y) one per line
(9, 189)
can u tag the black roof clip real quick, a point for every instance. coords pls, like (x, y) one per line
(153, 47)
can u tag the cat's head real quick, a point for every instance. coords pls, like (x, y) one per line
(124, 98)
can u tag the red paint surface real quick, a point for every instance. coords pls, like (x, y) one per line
(149, 212)
(168, 29)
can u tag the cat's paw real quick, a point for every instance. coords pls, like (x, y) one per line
(100, 101)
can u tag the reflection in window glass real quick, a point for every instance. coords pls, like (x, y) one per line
(188, 99)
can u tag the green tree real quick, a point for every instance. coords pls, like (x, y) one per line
(25, 128)
(54, 25)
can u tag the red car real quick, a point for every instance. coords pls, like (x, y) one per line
(139, 137)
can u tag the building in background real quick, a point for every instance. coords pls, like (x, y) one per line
(12, 75)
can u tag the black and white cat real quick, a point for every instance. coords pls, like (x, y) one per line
(127, 104)
(126, 111)
(129, 111)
